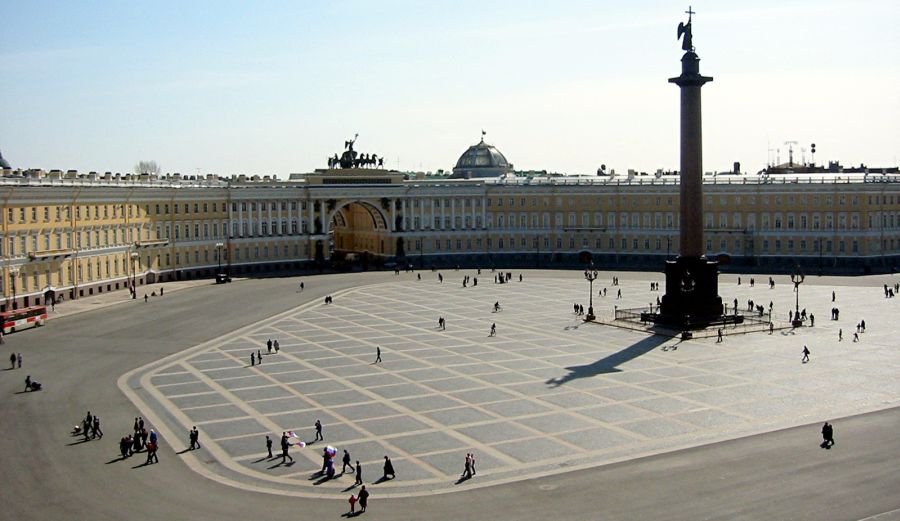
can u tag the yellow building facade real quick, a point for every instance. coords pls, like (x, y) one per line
(67, 235)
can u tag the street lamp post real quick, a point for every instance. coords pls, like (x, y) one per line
(590, 275)
(134, 258)
(797, 278)
(13, 273)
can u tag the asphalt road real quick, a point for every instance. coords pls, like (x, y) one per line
(47, 474)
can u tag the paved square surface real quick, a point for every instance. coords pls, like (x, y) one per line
(547, 394)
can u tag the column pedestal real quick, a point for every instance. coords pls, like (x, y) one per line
(692, 298)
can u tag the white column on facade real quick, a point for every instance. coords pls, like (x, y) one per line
(259, 218)
(484, 212)
(227, 232)
(443, 205)
(309, 206)
(251, 220)
(421, 213)
(431, 223)
(404, 213)
(240, 207)
(472, 203)
(393, 224)
(269, 210)
(452, 213)
(290, 216)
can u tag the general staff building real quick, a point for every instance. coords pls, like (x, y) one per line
(67, 235)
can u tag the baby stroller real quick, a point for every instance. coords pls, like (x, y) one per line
(32, 385)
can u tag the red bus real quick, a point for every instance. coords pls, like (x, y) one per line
(19, 319)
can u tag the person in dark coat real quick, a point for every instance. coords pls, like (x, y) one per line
(827, 435)
(358, 473)
(388, 468)
(363, 498)
(346, 462)
(285, 447)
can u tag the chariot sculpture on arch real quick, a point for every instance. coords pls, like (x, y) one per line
(350, 158)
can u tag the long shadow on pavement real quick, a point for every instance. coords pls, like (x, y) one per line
(610, 363)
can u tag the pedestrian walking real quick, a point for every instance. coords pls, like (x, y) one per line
(269, 345)
(352, 501)
(467, 469)
(252, 359)
(812, 320)
(358, 473)
(856, 337)
(319, 431)
(346, 462)
(12, 361)
(827, 436)
(377, 354)
(833, 296)
(493, 329)
(269, 446)
(195, 438)
(388, 468)
(805, 355)
(840, 334)
(258, 357)
(363, 499)
(285, 446)
(95, 430)
(19, 356)
(472, 463)
(151, 453)
(719, 334)
(277, 346)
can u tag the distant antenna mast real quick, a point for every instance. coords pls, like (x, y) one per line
(812, 151)
(790, 145)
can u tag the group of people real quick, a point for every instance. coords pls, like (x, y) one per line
(15, 358)
(153, 294)
(139, 440)
(469, 469)
(90, 427)
(271, 345)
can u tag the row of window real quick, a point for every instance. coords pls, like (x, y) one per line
(647, 244)
(108, 211)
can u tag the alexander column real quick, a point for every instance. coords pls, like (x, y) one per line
(691, 297)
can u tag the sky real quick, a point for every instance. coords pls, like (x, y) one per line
(235, 87)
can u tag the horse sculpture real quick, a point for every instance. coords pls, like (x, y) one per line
(352, 159)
